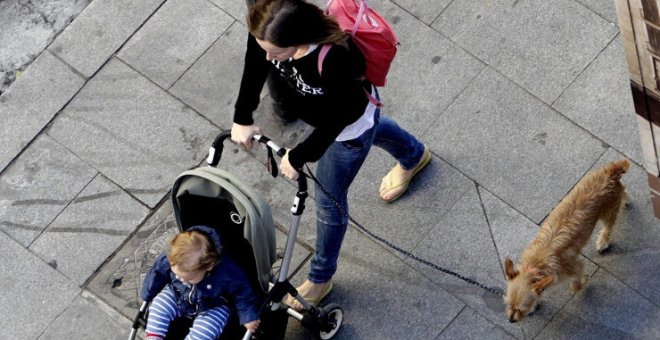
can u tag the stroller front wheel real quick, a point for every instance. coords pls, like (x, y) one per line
(331, 322)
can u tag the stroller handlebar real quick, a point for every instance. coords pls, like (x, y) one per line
(280, 151)
(215, 151)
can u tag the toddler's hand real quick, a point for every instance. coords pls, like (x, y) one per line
(252, 325)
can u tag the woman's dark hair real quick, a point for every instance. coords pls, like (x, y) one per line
(288, 23)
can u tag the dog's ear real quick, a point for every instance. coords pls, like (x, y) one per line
(509, 270)
(542, 284)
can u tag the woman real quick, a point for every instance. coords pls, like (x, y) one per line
(287, 35)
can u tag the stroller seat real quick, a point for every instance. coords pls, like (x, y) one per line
(209, 197)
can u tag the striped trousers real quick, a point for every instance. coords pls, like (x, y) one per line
(208, 325)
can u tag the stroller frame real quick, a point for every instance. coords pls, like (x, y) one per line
(324, 320)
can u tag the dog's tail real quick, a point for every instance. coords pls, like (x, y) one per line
(616, 169)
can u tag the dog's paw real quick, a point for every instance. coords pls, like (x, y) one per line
(602, 244)
(536, 308)
(576, 285)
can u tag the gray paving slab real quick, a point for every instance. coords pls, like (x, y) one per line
(600, 101)
(634, 253)
(441, 72)
(429, 200)
(237, 9)
(118, 283)
(32, 101)
(26, 29)
(470, 325)
(87, 318)
(605, 309)
(89, 230)
(512, 233)
(172, 40)
(543, 53)
(606, 9)
(38, 186)
(424, 10)
(210, 85)
(439, 219)
(450, 243)
(33, 293)
(513, 145)
(382, 297)
(106, 25)
(142, 137)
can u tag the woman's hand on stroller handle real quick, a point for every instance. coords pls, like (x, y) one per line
(244, 134)
(287, 169)
(238, 133)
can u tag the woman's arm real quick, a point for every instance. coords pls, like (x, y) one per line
(255, 72)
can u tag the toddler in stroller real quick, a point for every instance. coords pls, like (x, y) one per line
(215, 202)
(212, 202)
(194, 279)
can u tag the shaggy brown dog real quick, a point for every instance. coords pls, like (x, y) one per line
(554, 254)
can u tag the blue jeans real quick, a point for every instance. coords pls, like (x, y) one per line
(336, 171)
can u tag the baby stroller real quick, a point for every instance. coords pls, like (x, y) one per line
(215, 198)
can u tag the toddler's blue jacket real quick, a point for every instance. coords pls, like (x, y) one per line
(225, 283)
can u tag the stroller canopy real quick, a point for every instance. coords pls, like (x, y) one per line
(214, 197)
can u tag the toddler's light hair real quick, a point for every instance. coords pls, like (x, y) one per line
(192, 251)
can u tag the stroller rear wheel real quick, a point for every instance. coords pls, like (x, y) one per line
(332, 317)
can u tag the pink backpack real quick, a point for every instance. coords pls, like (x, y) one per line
(370, 32)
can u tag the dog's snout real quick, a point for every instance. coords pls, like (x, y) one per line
(512, 320)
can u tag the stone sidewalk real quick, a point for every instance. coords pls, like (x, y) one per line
(27, 27)
(517, 100)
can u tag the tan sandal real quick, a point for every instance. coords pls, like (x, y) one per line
(314, 301)
(388, 187)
